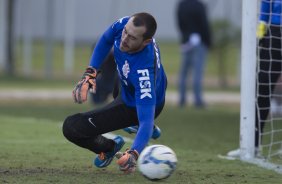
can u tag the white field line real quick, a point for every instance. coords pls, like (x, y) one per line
(171, 97)
(256, 161)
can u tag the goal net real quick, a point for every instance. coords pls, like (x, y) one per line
(261, 86)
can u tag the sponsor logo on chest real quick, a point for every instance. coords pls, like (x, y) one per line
(144, 83)
(125, 69)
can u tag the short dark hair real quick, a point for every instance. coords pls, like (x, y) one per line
(147, 20)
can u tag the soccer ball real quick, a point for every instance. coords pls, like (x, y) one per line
(157, 162)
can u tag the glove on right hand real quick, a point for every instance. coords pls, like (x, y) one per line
(127, 161)
(88, 82)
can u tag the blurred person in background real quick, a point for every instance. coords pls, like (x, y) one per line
(269, 67)
(140, 99)
(195, 35)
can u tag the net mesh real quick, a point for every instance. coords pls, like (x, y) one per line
(269, 87)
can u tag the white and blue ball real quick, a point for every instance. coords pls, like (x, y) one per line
(157, 162)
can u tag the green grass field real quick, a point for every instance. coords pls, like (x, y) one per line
(33, 149)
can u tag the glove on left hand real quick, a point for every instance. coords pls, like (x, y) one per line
(127, 161)
(87, 82)
(261, 30)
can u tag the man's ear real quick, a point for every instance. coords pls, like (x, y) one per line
(146, 42)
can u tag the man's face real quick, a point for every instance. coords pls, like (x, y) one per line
(132, 38)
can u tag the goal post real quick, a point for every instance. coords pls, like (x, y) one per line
(261, 74)
(248, 79)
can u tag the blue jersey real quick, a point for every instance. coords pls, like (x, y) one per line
(270, 11)
(143, 80)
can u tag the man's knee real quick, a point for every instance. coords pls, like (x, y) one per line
(69, 129)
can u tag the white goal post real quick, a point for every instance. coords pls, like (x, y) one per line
(268, 152)
(248, 79)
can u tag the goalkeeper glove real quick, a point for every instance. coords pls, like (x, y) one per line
(127, 161)
(261, 29)
(88, 82)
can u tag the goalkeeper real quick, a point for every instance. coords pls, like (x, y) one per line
(270, 63)
(141, 97)
(270, 60)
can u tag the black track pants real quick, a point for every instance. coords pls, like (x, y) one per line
(269, 70)
(85, 129)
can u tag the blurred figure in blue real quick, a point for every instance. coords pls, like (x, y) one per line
(269, 65)
(195, 35)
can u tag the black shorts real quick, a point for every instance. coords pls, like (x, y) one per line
(113, 116)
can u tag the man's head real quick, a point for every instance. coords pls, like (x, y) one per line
(138, 32)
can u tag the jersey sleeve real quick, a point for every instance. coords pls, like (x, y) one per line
(265, 11)
(105, 42)
(102, 48)
(146, 115)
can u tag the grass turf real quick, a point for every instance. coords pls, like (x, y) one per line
(33, 149)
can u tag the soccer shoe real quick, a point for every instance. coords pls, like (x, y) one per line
(133, 130)
(104, 159)
(156, 132)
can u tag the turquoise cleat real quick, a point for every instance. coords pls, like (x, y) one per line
(133, 130)
(104, 159)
